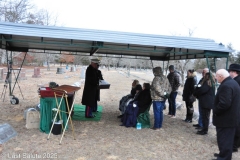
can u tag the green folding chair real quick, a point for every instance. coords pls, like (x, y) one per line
(144, 118)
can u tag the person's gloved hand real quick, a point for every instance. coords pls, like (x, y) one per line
(166, 95)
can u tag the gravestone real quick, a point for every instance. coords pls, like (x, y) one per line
(1, 73)
(6, 133)
(179, 105)
(60, 70)
(5, 70)
(73, 69)
(22, 75)
(196, 115)
(82, 76)
(36, 72)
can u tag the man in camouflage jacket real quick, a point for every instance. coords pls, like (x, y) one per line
(160, 88)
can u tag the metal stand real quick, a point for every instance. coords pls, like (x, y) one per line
(8, 80)
(63, 90)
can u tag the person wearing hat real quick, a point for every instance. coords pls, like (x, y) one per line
(174, 80)
(234, 71)
(89, 96)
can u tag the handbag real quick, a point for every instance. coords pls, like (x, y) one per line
(192, 99)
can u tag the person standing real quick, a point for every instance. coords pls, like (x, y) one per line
(174, 80)
(90, 88)
(160, 87)
(100, 77)
(226, 113)
(234, 71)
(205, 94)
(200, 123)
(187, 93)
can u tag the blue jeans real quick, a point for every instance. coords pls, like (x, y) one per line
(200, 116)
(172, 103)
(158, 113)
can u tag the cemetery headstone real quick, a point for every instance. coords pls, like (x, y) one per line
(36, 73)
(82, 76)
(22, 75)
(73, 69)
(60, 71)
(6, 133)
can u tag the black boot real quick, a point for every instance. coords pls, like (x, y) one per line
(202, 132)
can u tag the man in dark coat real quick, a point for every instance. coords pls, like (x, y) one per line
(174, 80)
(234, 71)
(226, 113)
(90, 88)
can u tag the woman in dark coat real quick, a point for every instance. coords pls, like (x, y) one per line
(144, 99)
(187, 93)
(205, 94)
(125, 99)
(139, 104)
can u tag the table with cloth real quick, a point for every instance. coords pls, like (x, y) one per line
(47, 115)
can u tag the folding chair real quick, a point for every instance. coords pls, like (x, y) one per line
(144, 118)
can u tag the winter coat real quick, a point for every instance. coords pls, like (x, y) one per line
(129, 118)
(160, 84)
(100, 77)
(89, 96)
(226, 111)
(133, 92)
(237, 79)
(188, 88)
(144, 100)
(205, 95)
(174, 80)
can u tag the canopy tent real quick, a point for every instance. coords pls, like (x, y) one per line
(44, 39)
(23, 37)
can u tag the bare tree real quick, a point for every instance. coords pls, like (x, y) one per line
(42, 17)
(15, 10)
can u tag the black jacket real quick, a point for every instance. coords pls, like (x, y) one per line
(226, 111)
(237, 79)
(133, 92)
(188, 88)
(205, 95)
(100, 77)
(143, 100)
(174, 80)
(89, 96)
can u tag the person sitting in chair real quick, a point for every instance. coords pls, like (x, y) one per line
(144, 99)
(129, 118)
(123, 102)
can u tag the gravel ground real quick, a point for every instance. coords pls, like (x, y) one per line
(104, 139)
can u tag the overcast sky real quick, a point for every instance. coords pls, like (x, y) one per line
(211, 19)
